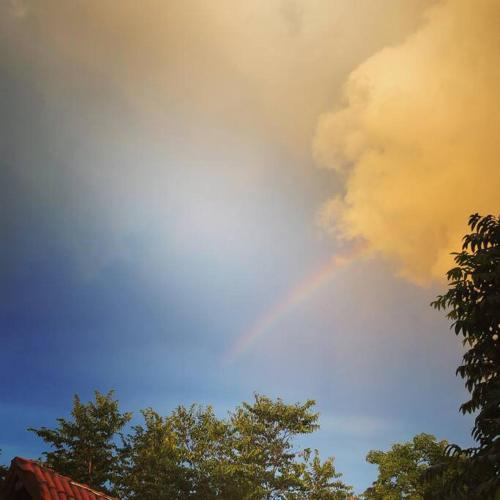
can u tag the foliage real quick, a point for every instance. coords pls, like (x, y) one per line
(193, 454)
(265, 458)
(3, 473)
(261, 438)
(84, 447)
(183, 455)
(473, 302)
(321, 480)
(401, 469)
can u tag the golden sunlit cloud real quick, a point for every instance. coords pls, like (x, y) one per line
(417, 141)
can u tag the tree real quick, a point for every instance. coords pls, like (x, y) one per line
(401, 469)
(183, 455)
(320, 479)
(3, 473)
(84, 447)
(249, 455)
(262, 435)
(191, 453)
(473, 304)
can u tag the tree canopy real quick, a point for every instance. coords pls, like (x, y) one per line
(401, 469)
(3, 473)
(473, 304)
(192, 453)
(84, 447)
(425, 468)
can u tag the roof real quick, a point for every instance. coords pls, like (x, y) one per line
(43, 483)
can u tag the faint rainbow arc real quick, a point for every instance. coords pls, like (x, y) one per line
(298, 293)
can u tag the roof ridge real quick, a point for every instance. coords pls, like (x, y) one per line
(87, 487)
(43, 467)
(40, 464)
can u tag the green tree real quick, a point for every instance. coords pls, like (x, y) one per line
(3, 473)
(262, 434)
(262, 439)
(84, 446)
(473, 304)
(183, 455)
(401, 469)
(320, 479)
(249, 455)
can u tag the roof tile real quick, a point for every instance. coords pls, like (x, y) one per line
(50, 485)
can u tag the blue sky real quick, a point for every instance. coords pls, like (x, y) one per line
(160, 192)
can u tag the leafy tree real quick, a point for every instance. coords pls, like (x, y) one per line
(84, 446)
(3, 473)
(473, 304)
(262, 434)
(321, 480)
(183, 455)
(193, 454)
(250, 455)
(401, 469)
(265, 456)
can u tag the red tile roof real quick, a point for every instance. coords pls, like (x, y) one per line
(43, 483)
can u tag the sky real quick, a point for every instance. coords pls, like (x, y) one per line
(199, 200)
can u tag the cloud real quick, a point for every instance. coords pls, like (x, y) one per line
(18, 8)
(417, 140)
(176, 133)
(293, 16)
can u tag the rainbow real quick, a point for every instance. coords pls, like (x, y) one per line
(296, 295)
